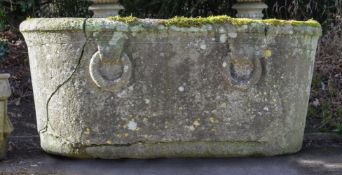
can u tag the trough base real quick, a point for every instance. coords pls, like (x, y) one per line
(141, 150)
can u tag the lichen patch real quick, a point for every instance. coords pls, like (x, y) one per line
(196, 123)
(267, 53)
(223, 38)
(181, 89)
(132, 125)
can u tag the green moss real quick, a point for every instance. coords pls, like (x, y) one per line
(200, 21)
(195, 22)
(278, 22)
(127, 19)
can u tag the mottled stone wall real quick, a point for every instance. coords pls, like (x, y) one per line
(111, 90)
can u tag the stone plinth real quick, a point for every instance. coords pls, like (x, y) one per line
(105, 8)
(215, 87)
(5, 125)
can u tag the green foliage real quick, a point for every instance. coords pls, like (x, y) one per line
(316, 81)
(339, 124)
(2, 18)
(14, 11)
(21, 6)
(26, 6)
(327, 114)
(339, 129)
(326, 110)
(3, 50)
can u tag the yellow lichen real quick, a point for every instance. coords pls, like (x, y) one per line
(87, 131)
(127, 19)
(267, 53)
(279, 22)
(199, 21)
(195, 22)
(196, 123)
(213, 120)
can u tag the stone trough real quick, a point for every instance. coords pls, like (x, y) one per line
(183, 87)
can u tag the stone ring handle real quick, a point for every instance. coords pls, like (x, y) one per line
(116, 61)
(243, 73)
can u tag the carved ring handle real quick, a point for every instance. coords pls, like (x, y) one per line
(111, 54)
(245, 84)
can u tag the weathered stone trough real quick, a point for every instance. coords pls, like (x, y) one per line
(184, 87)
(5, 125)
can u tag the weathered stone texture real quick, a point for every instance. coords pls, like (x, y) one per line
(5, 125)
(113, 90)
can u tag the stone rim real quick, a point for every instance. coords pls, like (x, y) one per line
(105, 24)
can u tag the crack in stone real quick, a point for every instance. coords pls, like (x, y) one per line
(47, 124)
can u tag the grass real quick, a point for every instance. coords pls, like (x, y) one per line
(325, 115)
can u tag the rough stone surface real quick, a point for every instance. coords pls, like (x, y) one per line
(5, 125)
(106, 89)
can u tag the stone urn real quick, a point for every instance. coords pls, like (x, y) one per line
(5, 125)
(184, 87)
(250, 8)
(105, 8)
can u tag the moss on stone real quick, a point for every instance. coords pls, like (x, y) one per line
(199, 21)
(195, 22)
(278, 22)
(211, 20)
(126, 19)
(186, 22)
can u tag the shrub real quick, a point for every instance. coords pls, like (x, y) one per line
(3, 50)
(14, 11)
(65, 8)
(2, 18)
(324, 11)
(170, 8)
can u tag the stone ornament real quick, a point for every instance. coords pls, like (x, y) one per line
(5, 125)
(105, 8)
(250, 9)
